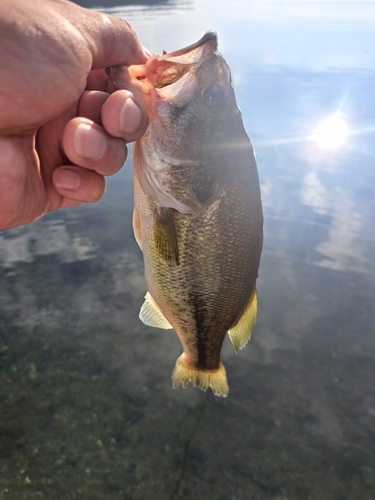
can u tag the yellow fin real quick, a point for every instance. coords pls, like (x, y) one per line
(217, 380)
(240, 333)
(151, 315)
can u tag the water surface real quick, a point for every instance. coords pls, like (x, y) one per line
(87, 408)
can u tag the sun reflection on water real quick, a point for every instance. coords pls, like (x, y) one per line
(331, 133)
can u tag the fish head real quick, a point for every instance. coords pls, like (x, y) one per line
(193, 117)
(192, 95)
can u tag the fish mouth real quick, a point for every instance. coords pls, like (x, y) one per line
(208, 40)
(162, 71)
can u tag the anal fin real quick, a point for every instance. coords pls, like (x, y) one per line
(151, 315)
(240, 333)
(182, 375)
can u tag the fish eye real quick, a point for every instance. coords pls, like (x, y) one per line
(214, 97)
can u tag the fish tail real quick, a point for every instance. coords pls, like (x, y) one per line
(217, 380)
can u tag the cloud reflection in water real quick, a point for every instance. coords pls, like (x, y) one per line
(47, 237)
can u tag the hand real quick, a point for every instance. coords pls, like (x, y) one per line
(61, 129)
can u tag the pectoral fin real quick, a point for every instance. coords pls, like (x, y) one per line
(151, 315)
(240, 333)
(165, 235)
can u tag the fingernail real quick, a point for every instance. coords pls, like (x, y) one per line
(89, 142)
(130, 117)
(66, 178)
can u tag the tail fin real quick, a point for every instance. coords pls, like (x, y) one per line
(217, 380)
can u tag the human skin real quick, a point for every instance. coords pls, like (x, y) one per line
(62, 125)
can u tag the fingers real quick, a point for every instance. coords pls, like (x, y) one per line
(94, 150)
(122, 116)
(88, 145)
(98, 79)
(111, 40)
(117, 44)
(90, 105)
(120, 113)
(78, 185)
(94, 154)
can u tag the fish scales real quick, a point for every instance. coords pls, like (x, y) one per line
(197, 210)
(207, 290)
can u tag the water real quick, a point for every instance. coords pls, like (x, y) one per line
(87, 409)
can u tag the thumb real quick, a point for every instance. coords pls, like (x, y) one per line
(112, 40)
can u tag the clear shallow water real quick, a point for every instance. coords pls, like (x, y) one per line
(87, 409)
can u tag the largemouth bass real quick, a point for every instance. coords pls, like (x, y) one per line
(197, 207)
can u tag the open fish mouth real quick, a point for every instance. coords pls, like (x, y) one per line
(165, 70)
(193, 53)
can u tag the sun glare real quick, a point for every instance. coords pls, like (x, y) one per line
(331, 133)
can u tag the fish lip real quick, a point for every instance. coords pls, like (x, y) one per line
(208, 36)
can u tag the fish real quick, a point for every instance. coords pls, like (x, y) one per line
(197, 207)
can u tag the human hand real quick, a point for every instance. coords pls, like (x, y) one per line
(61, 129)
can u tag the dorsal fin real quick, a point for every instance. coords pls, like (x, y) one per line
(151, 315)
(240, 333)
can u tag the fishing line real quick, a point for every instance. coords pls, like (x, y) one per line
(187, 445)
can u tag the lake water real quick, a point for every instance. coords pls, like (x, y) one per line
(87, 406)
